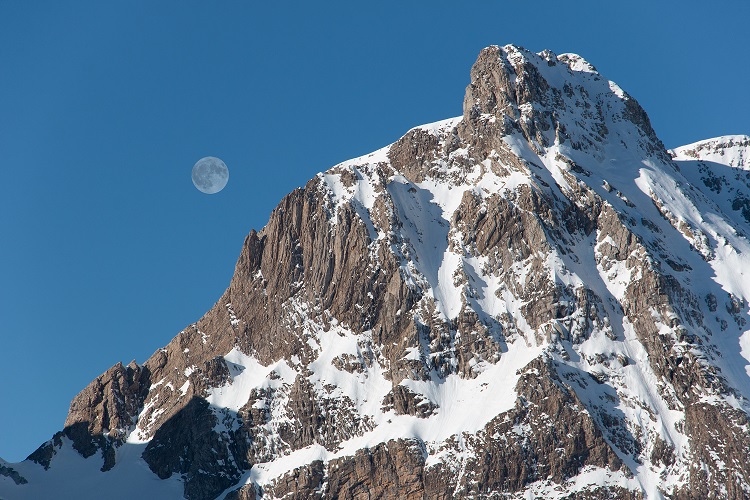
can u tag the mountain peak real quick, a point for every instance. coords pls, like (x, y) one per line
(552, 101)
(731, 150)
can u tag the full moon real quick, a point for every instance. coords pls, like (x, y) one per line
(210, 175)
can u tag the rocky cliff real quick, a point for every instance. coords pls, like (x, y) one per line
(532, 299)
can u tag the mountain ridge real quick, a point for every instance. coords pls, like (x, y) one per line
(543, 255)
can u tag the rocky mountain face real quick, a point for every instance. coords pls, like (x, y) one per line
(532, 299)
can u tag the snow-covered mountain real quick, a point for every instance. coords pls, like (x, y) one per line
(534, 299)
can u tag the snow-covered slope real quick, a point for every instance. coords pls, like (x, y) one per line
(532, 299)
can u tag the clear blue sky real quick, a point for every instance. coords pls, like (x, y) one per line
(106, 248)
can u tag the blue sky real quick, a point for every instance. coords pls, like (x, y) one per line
(106, 248)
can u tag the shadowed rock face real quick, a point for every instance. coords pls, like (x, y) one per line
(187, 444)
(13, 474)
(505, 304)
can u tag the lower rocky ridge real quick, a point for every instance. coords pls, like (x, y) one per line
(543, 445)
